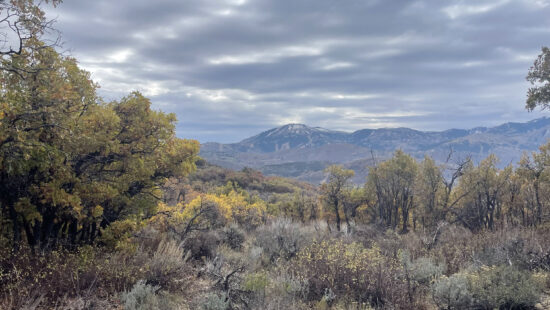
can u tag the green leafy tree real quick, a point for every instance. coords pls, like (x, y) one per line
(69, 163)
(539, 76)
(532, 169)
(535, 178)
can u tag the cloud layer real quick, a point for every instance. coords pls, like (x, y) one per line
(230, 69)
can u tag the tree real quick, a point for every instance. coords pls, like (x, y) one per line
(352, 199)
(539, 77)
(303, 205)
(534, 174)
(23, 24)
(533, 170)
(332, 191)
(519, 203)
(393, 182)
(429, 189)
(485, 186)
(452, 197)
(71, 164)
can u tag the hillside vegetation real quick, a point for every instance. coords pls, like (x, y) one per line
(103, 207)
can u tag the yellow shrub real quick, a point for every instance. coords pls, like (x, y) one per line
(212, 210)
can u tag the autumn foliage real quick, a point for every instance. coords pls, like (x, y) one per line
(103, 207)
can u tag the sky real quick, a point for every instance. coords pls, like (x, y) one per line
(231, 69)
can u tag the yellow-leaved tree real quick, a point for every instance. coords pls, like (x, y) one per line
(210, 211)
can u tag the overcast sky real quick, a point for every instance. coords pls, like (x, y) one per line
(230, 69)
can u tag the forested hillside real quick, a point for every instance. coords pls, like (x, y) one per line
(103, 207)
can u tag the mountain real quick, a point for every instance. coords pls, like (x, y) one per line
(302, 152)
(292, 136)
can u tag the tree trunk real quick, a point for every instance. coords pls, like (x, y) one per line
(539, 204)
(338, 219)
(405, 215)
(16, 239)
(346, 217)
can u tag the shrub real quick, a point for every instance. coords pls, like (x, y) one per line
(227, 271)
(454, 246)
(141, 296)
(66, 274)
(214, 301)
(504, 287)
(452, 292)
(287, 285)
(277, 185)
(167, 265)
(233, 236)
(418, 274)
(145, 296)
(239, 206)
(255, 282)
(254, 257)
(524, 248)
(350, 271)
(282, 239)
(422, 270)
(202, 244)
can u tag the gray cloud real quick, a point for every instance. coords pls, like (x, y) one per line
(229, 69)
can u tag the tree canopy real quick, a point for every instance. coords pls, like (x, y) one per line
(69, 162)
(539, 76)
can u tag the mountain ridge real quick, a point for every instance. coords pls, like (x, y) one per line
(289, 145)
